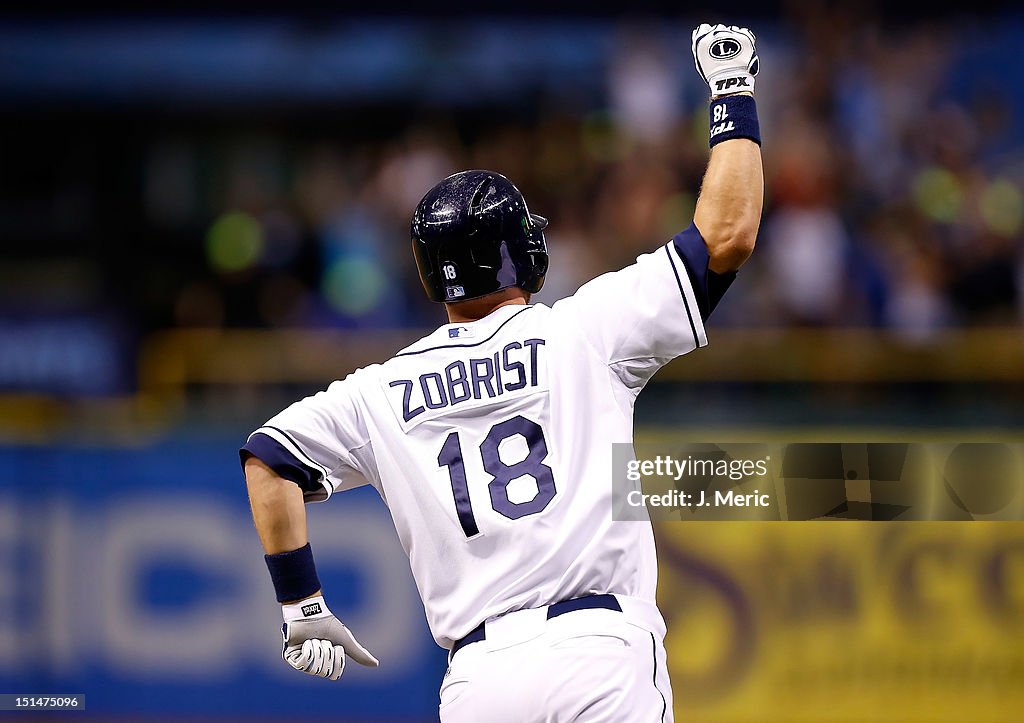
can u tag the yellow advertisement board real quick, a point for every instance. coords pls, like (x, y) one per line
(844, 621)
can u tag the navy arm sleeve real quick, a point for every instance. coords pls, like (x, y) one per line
(708, 286)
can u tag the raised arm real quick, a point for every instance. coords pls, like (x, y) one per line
(729, 208)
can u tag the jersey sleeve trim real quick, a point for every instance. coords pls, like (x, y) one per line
(709, 287)
(280, 452)
(689, 298)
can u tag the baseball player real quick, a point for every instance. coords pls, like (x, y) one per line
(490, 440)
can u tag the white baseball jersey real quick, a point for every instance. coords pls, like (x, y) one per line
(491, 444)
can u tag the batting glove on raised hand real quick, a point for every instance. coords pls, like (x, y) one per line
(317, 643)
(726, 58)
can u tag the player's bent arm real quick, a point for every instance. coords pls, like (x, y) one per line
(315, 641)
(278, 509)
(728, 211)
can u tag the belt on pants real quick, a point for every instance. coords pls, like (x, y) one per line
(587, 602)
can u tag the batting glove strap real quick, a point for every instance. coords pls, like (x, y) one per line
(313, 608)
(726, 58)
(734, 116)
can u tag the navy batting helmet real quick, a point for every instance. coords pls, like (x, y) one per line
(472, 235)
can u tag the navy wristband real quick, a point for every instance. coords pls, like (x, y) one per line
(734, 116)
(293, 574)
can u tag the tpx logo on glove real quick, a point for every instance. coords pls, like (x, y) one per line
(724, 49)
(312, 609)
(726, 83)
(725, 57)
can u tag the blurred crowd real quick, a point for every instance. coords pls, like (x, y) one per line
(894, 190)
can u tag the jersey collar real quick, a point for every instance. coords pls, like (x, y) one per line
(466, 333)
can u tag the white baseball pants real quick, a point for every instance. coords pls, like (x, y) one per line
(590, 666)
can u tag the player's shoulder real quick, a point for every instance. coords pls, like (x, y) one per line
(354, 384)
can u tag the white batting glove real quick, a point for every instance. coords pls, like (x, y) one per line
(726, 58)
(317, 643)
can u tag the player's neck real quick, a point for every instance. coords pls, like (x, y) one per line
(475, 309)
